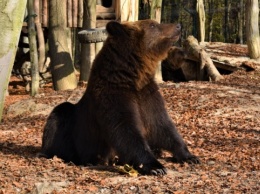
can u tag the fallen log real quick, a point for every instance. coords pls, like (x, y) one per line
(195, 51)
(230, 57)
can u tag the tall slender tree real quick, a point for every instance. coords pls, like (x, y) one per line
(33, 49)
(252, 28)
(226, 21)
(240, 21)
(156, 12)
(201, 20)
(170, 11)
(211, 13)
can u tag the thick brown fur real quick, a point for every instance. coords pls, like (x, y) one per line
(176, 67)
(122, 112)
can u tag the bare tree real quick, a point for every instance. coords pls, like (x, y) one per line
(252, 28)
(40, 37)
(33, 49)
(201, 20)
(240, 21)
(210, 19)
(156, 8)
(11, 20)
(226, 20)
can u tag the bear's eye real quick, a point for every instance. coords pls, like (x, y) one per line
(152, 25)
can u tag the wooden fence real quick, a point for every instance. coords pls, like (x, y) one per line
(75, 10)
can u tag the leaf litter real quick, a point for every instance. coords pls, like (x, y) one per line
(220, 122)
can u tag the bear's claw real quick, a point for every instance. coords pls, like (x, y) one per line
(190, 160)
(159, 172)
(154, 168)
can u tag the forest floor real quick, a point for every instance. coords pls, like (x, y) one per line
(220, 121)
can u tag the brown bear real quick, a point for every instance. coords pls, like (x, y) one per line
(171, 66)
(122, 112)
(177, 67)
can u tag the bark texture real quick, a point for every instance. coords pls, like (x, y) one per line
(61, 62)
(252, 28)
(202, 18)
(33, 49)
(11, 20)
(156, 12)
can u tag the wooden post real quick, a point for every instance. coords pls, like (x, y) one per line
(69, 13)
(127, 10)
(87, 50)
(45, 14)
(74, 13)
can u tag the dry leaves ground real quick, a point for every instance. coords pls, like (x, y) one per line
(220, 121)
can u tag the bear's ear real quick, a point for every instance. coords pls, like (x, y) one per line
(116, 29)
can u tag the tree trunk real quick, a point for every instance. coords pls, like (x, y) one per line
(175, 11)
(127, 10)
(201, 20)
(87, 50)
(33, 49)
(240, 22)
(61, 63)
(194, 14)
(145, 9)
(45, 12)
(252, 28)
(193, 49)
(226, 27)
(40, 37)
(156, 15)
(74, 13)
(69, 13)
(11, 20)
(156, 10)
(210, 19)
(80, 13)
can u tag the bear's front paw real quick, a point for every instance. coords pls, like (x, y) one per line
(191, 159)
(153, 169)
(158, 172)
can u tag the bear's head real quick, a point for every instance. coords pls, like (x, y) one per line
(146, 37)
(131, 54)
(175, 58)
